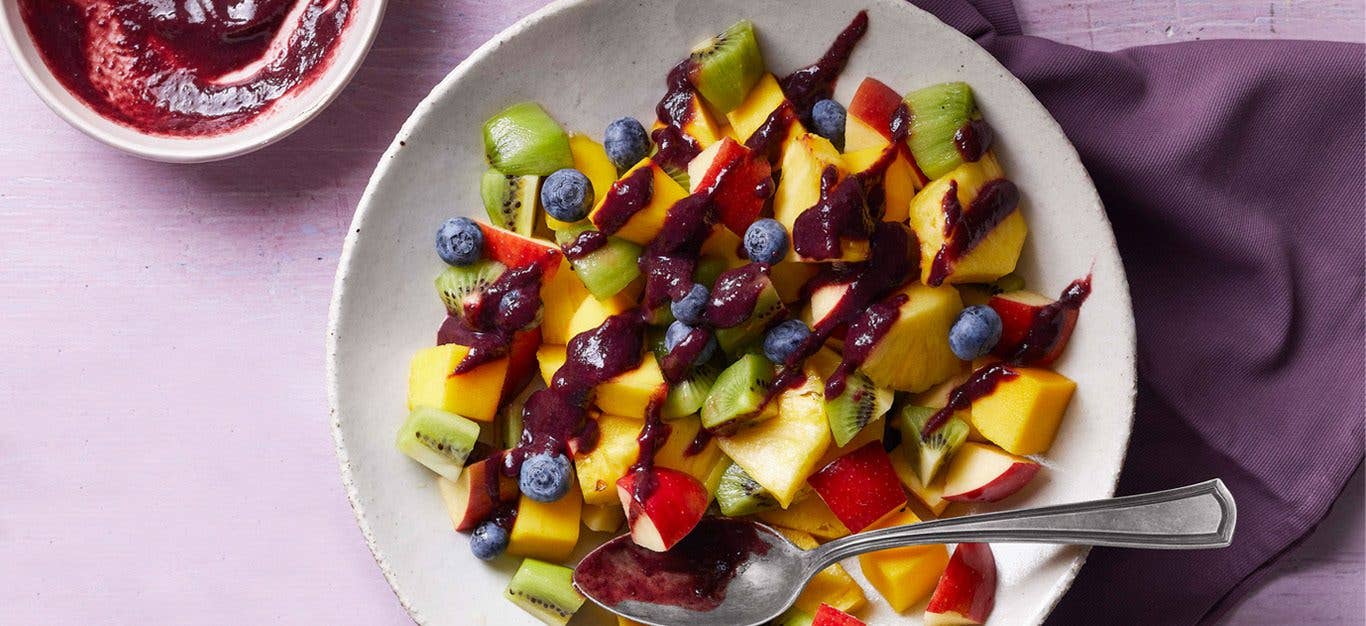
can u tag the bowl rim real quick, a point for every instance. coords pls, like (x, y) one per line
(1126, 331)
(247, 138)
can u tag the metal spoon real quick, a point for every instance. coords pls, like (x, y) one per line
(767, 580)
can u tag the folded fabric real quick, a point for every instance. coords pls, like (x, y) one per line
(1232, 172)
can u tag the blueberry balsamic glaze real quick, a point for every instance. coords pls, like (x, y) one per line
(813, 83)
(626, 197)
(973, 139)
(965, 228)
(584, 244)
(865, 331)
(735, 294)
(675, 147)
(979, 385)
(1050, 322)
(841, 214)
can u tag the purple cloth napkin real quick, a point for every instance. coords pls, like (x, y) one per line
(1233, 174)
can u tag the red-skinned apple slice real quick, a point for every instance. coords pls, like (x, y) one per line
(471, 499)
(967, 591)
(980, 472)
(738, 183)
(1022, 310)
(513, 250)
(860, 487)
(522, 365)
(869, 124)
(666, 511)
(828, 615)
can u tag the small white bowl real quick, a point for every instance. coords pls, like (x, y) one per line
(282, 118)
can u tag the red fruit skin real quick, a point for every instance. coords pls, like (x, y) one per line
(740, 184)
(1012, 480)
(481, 503)
(513, 250)
(968, 586)
(1017, 318)
(674, 504)
(830, 616)
(522, 365)
(860, 487)
(875, 104)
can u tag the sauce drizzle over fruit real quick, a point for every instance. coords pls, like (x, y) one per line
(973, 139)
(813, 83)
(1050, 322)
(864, 334)
(626, 197)
(964, 229)
(979, 385)
(841, 214)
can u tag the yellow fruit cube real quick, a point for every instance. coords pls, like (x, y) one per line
(724, 244)
(645, 223)
(603, 518)
(831, 585)
(937, 396)
(473, 394)
(631, 393)
(590, 158)
(1023, 413)
(995, 255)
(780, 453)
(591, 313)
(622, 621)
(859, 136)
(914, 353)
(550, 358)
(898, 181)
(701, 125)
(789, 278)
(706, 465)
(932, 495)
(561, 297)
(805, 159)
(810, 515)
(546, 530)
(904, 576)
(761, 102)
(599, 469)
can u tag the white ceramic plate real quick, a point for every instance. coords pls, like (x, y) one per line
(588, 62)
(283, 117)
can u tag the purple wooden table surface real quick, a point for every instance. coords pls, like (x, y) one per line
(164, 454)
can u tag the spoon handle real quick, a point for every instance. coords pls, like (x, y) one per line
(1187, 518)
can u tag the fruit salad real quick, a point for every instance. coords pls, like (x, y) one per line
(765, 303)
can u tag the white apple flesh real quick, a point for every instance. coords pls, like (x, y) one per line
(984, 473)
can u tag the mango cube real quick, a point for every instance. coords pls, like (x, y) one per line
(904, 576)
(1023, 413)
(599, 469)
(706, 465)
(631, 393)
(831, 585)
(546, 531)
(701, 125)
(645, 223)
(550, 358)
(561, 297)
(761, 102)
(591, 313)
(914, 353)
(899, 181)
(780, 453)
(591, 159)
(809, 515)
(995, 255)
(473, 394)
(603, 518)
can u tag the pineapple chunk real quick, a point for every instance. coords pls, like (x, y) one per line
(899, 182)
(781, 452)
(831, 585)
(599, 469)
(789, 279)
(631, 393)
(1022, 414)
(701, 125)
(603, 518)
(759, 104)
(808, 514)
(914, 353)
(473, 394)
(932, 496)
(706, 465)
(995, 255)
(904, 576)
(546, 531)
(645, 223)
(724, 244)
(805, 158)
(561, 297)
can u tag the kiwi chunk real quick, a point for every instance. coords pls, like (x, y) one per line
(727, 66)
(928, 454)
(462, 285)
(544, 590)
(510, 200)
(438, 439)
(858, 405)
(608, 269)
(687, 396)
(708, 269)
(767, 307)
(739, 395)
(937, 112)
(523, 140)
(739, 494)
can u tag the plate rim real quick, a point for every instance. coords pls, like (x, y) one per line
(1070, 158)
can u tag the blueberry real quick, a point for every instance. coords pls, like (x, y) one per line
(567, 195)
(626, 142)
(675, 334)
(975, 332)
(488, 541)
(545, 477)
(766, 241)
(459, 241)
(782, 340)
(828, 118)
(689, 308)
